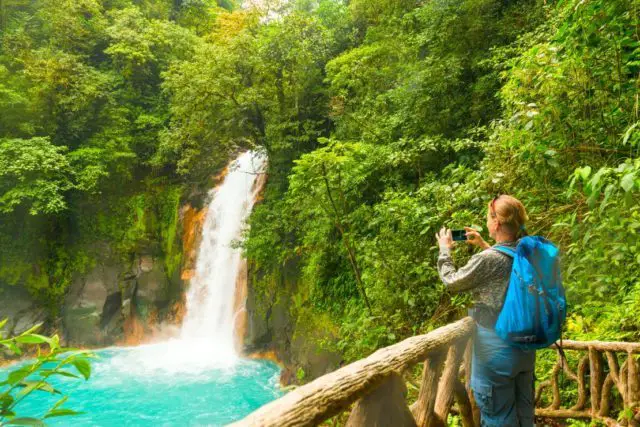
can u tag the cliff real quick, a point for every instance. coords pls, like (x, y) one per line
(279, 324)
(121, 297)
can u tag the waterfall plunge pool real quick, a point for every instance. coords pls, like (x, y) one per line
(129, 387)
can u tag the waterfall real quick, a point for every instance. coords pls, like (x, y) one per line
(205, 342)
(209, 321)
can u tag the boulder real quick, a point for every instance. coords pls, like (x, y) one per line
(100, 301)
(92, 306)
(20, 309)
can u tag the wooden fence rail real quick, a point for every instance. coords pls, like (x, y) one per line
(597, 372)
(375, 390)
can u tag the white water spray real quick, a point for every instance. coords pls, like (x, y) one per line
(206, 339)
(210, 300)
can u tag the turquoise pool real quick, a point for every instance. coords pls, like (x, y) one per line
(126, 390)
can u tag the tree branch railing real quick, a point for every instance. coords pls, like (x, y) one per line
(374, 391)
(607, 380)
(375, 386)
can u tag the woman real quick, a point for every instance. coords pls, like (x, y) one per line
(502, 376)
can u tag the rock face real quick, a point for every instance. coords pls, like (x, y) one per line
(102, 302)
(20, 309)
(274, 326)
(122, 298)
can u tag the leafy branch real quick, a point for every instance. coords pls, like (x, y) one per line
(33, 376)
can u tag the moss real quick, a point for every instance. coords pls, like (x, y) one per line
(45, 257)
(170, 219)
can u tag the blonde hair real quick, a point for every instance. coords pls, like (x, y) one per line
(510, 213)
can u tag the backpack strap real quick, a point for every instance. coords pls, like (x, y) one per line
(510, 252)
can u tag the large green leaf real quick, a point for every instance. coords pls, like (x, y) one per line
(30, 386)
(83, 367)
(18, 375)
(50, 372)
(61, 412)
(32, 339)
(627, 181)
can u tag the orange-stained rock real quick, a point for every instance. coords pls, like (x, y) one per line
(239, 306)
(133, 331)
(192, 223)
(269, 355)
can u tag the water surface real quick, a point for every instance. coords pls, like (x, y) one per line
(121, 393)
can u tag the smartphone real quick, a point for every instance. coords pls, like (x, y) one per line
(459, 235)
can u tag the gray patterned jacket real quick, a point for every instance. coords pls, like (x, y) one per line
(486, 275)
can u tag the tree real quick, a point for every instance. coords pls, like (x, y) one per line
(35, 175)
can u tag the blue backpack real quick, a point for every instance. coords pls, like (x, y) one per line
(535, 306)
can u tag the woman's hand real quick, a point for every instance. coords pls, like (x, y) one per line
(474, 238)
(444, 238)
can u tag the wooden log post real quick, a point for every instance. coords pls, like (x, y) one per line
(449, 377)
(461, 396)
(605, 396)
(622, 383)
(555, 386)
(386, 406)
(467, 363)
(582, 386)
(633, 383)
(423, 408)
(596, 373)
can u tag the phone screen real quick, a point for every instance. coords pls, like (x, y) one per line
(459, 235)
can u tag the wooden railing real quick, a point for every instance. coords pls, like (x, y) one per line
(374, 390)
(594, 367)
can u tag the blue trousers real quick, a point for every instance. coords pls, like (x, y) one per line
(502, 381)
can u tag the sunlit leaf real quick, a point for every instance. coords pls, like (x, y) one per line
(83, 367)
(32, 339)
(31, 386)
(61, 412)
(49, 372)
(627, 181)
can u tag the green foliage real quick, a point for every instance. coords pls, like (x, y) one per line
(209, 107)
(571, 105)
(169, 233)
(82, 111)
(33, 376)
(361, 209)
(419, 139)
(34, 174)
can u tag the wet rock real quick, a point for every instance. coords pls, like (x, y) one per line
(100, 302)
(111, 308)
(20, 309)
(294, 337)
(90, 305)
(152, 289)
(146, 263)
